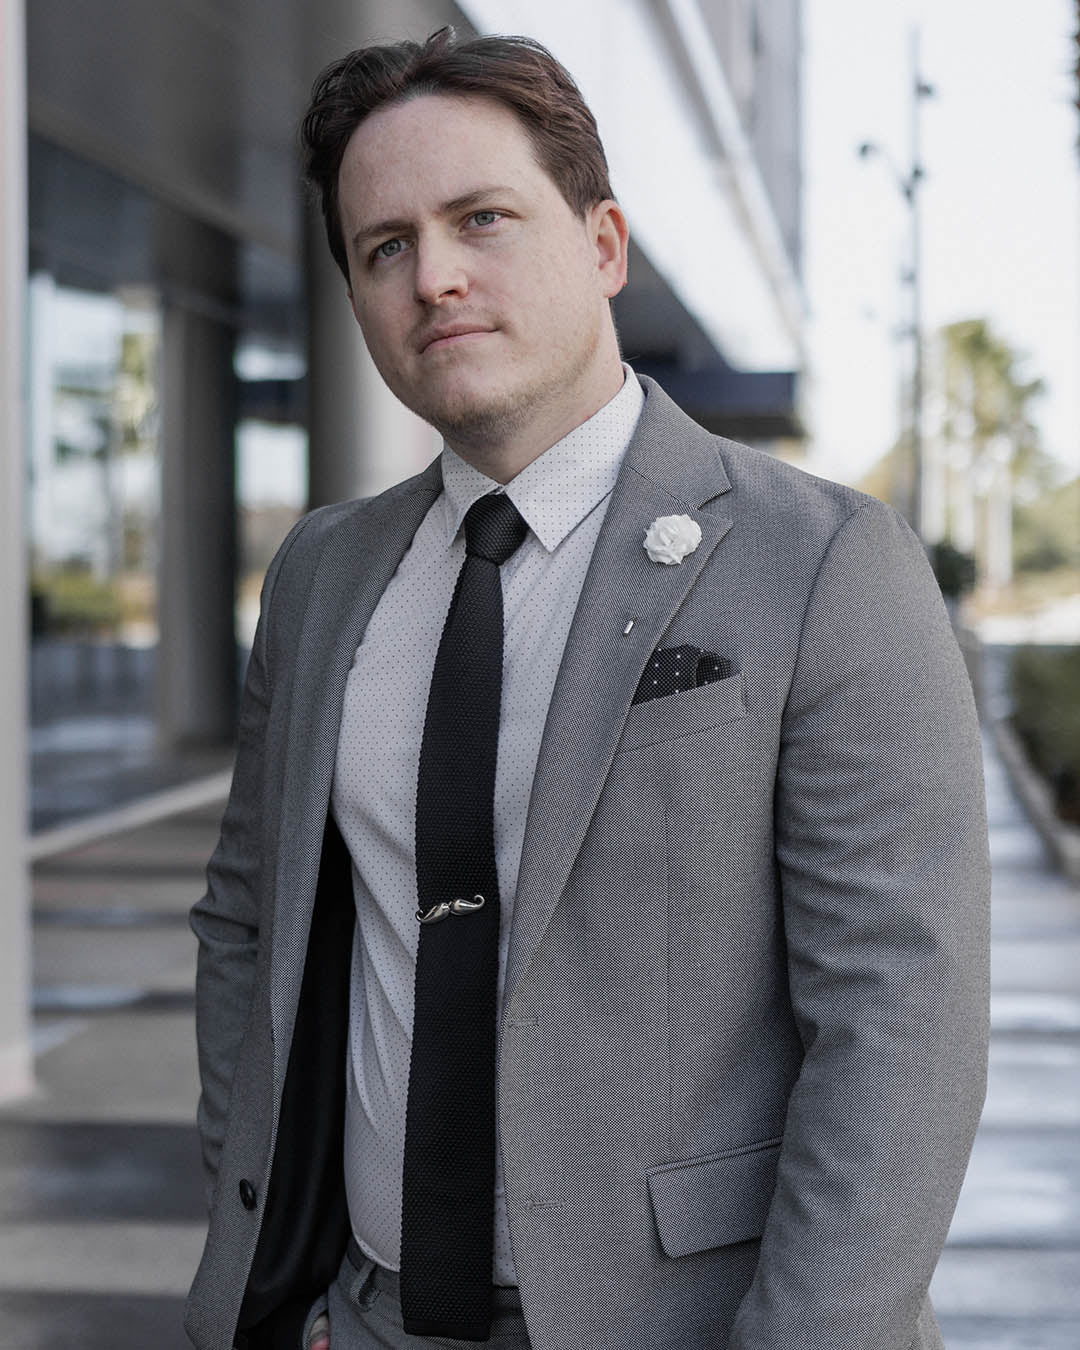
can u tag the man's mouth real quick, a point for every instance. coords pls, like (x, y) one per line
(451, 335)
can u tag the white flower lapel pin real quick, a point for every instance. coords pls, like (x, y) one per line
(670, 538)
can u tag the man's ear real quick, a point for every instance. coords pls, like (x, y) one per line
(609, 232)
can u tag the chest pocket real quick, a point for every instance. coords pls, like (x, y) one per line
(683, 713)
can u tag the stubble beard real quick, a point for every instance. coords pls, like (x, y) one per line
(480, 423)
(485, 422)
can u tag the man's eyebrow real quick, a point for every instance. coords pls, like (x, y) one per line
(450, 208)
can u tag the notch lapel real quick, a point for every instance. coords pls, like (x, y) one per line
(671, 467)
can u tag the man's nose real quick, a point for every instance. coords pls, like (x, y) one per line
(440, 273)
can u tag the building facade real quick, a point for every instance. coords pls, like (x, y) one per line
(182, 375)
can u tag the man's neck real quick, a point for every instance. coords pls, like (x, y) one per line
(505, 459)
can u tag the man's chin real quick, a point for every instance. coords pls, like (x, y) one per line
(472, 418)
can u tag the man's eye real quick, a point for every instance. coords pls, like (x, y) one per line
(485, 217)
(389, 249)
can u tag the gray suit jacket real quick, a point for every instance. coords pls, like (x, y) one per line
(743, 1044)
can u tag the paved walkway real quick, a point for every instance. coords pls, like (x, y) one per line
(100, 1193)
(101, 1201)
(1010, 1276)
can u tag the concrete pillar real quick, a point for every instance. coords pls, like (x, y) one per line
(196, 695)
(335, 359)
(16, 1062)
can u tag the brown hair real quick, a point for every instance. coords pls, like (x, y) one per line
(516, 71)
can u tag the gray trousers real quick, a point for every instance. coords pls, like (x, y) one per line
(365, 1314)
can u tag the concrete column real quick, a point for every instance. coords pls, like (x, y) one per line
(16, 1062)
(335, 359)
(196, 587)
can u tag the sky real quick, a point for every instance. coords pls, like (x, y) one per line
(1000, 205)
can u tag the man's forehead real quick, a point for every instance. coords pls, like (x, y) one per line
(451, 144)
(438, 124)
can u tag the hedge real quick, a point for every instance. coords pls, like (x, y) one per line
(1045, 688)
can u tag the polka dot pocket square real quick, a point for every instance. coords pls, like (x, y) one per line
(672, 670)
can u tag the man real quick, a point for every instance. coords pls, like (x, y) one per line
(595, 950)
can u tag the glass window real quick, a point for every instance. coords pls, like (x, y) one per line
(94, 464)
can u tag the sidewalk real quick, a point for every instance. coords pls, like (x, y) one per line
(101, 1219)
(101, 1199)
(1009, 1278)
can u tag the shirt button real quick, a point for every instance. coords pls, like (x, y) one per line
(247, 1194)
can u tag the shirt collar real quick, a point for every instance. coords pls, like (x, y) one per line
(560, 487)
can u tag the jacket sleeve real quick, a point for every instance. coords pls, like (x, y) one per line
(882, 853)
(227, 919)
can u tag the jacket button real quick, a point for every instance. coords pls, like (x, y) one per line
(247, 1194)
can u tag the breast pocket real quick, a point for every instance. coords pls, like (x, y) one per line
(682, 714)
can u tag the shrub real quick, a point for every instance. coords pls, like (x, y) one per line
(74, 602)
(955, 571)
(1045, 688)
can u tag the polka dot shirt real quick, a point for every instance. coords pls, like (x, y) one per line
(563, 496)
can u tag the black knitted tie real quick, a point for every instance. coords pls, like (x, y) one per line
(448, 1184)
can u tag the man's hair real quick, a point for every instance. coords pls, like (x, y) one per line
(515, 71)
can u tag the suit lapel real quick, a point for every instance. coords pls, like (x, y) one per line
(671, 467)
(360, 555)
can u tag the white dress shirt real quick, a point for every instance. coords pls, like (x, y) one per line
(563, 496)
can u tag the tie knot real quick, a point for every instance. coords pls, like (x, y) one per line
(493, 528)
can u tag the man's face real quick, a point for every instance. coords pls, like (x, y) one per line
(481, 295)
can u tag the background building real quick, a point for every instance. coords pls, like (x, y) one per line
(183, 377)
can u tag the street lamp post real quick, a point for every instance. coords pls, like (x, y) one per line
(908, 184)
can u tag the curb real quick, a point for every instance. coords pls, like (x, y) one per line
(143, 811)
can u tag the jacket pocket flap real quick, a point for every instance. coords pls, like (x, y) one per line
(714, 1201)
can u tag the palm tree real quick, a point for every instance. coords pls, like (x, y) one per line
(986, 453)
